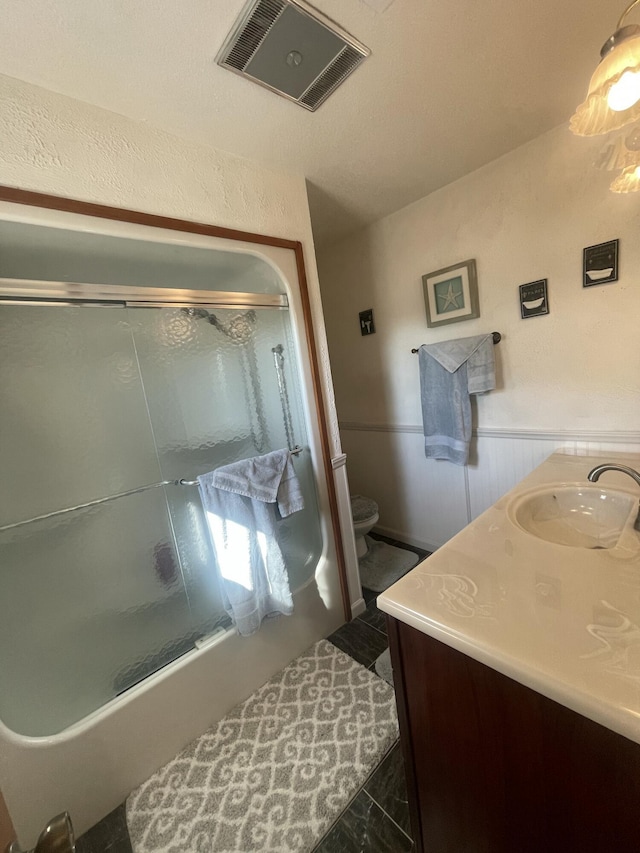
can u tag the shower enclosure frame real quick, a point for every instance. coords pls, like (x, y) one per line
(118, 214)
(34, 788)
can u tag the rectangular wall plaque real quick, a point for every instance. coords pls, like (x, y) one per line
(534, 299)
(600, 264)
(367, 326)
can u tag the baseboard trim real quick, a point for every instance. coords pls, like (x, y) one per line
(358, 607)
(611, 437)
(398, 535)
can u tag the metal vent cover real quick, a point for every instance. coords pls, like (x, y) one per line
(290, 48)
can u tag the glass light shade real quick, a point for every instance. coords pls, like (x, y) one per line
(621, 150)
(626, 92)
(628, 181)
(619, 67)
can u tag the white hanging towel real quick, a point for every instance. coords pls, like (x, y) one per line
(243, 503)
(449, 372)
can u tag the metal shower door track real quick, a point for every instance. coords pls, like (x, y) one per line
(29, 291)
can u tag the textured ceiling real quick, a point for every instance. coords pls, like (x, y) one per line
(448, 87)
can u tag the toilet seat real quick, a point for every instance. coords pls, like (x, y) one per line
(364, 512)
(363, 509)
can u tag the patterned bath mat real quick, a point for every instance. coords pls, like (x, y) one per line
(278, 770)
(384, 564)
(383, 666)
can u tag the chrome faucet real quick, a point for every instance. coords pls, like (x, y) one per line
(594, 476)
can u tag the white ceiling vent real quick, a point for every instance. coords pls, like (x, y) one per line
(291, 49)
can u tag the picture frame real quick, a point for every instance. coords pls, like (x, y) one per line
(451, 294)
(367, 326)
(600, 263)
(534, 299)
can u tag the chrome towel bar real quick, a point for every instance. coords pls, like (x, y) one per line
(296, 450)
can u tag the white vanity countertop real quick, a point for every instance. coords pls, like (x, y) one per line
(564, 621)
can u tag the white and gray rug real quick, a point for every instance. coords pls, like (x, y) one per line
(384, 564)
(383, 666)
(278, 770)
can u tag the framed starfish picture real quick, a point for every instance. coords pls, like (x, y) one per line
(451, 294)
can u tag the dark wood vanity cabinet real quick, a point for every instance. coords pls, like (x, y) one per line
(495, 767)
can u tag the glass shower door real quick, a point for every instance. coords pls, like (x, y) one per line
(85, 536)
(106, 569)
(214, 398)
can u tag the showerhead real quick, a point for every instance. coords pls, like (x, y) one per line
(196, 312)
(239, 328)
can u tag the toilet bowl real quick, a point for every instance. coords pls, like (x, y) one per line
(364, 512)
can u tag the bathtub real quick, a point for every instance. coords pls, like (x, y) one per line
(89, 768)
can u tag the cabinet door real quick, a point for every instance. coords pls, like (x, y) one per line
(494, 767)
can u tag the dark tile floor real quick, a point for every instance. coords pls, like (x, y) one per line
(109, 836)
(377, 819)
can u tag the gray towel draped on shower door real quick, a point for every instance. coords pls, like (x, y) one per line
(243, 503)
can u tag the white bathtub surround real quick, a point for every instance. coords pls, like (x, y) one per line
(564, 621)
(90, 768)
(51, 143)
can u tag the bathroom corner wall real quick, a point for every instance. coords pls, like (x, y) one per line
(567, 379)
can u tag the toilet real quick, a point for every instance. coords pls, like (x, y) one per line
(364, 512)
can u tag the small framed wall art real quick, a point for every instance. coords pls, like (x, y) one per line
(451, 294)
(600, 264)
(367, 326)
(534, 299)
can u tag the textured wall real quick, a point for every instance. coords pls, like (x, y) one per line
(524, 217)
(54, 144)
(571, 373)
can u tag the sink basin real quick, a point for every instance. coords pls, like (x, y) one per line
(578, 516)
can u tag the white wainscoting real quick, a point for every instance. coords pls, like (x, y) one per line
(424, 501)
